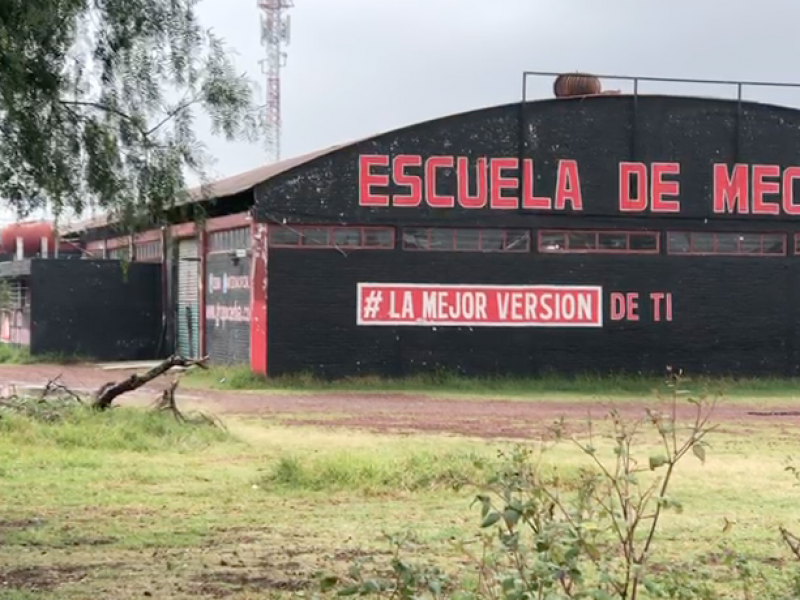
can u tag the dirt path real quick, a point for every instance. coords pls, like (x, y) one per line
(387, 412)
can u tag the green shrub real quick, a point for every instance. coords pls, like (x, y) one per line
(14, 355)
(20, 355)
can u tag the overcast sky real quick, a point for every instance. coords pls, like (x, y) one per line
(357, 67)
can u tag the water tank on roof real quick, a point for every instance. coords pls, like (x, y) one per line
(31, 233)
(576, 84)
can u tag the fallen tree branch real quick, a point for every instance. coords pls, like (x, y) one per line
(110, 391)
(54, 386)
(166, 401)
(791, 540)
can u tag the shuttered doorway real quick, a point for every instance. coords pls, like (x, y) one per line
(227, 324)
(188, 299)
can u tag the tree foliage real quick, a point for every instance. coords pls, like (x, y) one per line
(98, 101)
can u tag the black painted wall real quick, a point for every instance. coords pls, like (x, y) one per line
(731, 314)
(93, 309)
(597, 132)
(228, 309)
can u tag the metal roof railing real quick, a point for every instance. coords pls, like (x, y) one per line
(636, 81)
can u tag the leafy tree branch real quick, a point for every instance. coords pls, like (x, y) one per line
(99, 101)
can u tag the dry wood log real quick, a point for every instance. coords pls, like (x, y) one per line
(166, 401)
(54, 386)
(791, 540)
(110, 391)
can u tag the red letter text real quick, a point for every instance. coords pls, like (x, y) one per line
(367, 179)
(413, 182)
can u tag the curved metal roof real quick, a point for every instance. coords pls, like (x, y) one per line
(222, 188)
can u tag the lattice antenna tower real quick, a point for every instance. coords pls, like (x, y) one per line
(275, 35)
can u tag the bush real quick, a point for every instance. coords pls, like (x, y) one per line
(21, 355)
(546, 536)
(14, 355)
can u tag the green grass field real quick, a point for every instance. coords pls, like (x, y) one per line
(541, 388)
(131, 504)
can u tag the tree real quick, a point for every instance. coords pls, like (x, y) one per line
(98, 100)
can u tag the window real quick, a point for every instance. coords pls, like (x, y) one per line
(284, 236)
(342, 237)
(726, 244)
(466, 240)
(598, 242)
(378, 238)
(148, 251)
(228, 240)
(347, 237)
(317, 236)
(17, 294)
(119, 253)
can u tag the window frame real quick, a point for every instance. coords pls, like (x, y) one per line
(218, 240)
(454, 241)
(738, 253)
(331, 237)
(597, 249)
(119, 253)
(140, 250)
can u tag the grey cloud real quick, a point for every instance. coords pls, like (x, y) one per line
(358, 67)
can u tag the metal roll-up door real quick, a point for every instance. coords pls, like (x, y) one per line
(227, 290)
(188, 299)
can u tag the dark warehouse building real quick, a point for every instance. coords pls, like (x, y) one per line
(580, 233)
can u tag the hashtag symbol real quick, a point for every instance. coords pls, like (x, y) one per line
(373, 304)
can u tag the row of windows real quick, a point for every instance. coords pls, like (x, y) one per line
(142, 252)
(437, 239)
(219, 241)
(432, 239)
(549, 241)
(768, 244)
(352, 238)
(598, 242)
(467, 240)
(683, 242)
(678, 242)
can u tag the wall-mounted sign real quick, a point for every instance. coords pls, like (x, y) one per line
(409, 181)
(479, 305)
(228, 296)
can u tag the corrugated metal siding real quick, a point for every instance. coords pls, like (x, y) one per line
(188, 298)
(228, 297)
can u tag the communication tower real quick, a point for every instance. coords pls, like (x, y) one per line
(275, 34)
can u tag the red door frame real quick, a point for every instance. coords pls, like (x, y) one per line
(258, 298)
